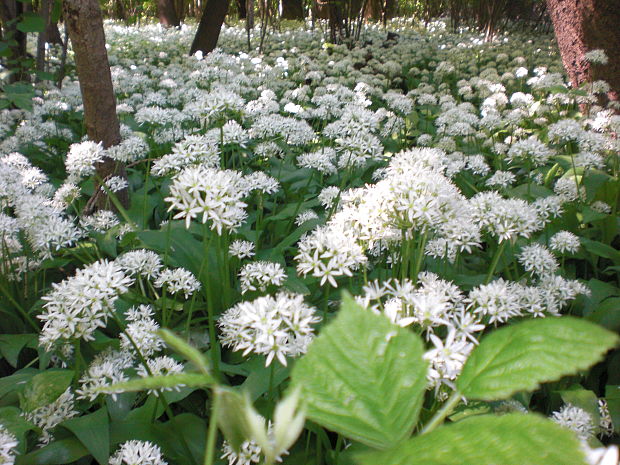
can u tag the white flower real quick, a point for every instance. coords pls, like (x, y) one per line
(178, 280)
(140, 262)
(241, 249)
(277, 327)
(107, 368)
(79, 305)
(564, 242)
(8, 444)
(305, 216)
(575, 419)
(214, 194)
(51, 415)
(259, 275)
(596, 57)
(82, 158)
(138, 453)
(537, 259)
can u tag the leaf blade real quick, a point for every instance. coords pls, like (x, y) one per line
(363, 377)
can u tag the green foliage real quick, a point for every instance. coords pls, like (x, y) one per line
(513, 439)
(363, 377)
(521, 356)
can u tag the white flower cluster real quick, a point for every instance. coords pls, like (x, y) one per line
(49, 416)
(275, 326)
(79, 305)
(259, 275)
(138, 453)
(8, 444)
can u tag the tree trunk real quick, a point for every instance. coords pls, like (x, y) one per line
(292, 9)
(85, 26)
(584, 25)
(44, 12)
(242, 8)
(167, 13)
(210, 25)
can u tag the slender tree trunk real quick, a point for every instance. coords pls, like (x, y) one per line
(210, 25)
(167, 13)
(584, 25)
(242, 8)
(44, 12)
(292, 9)
(85, 25)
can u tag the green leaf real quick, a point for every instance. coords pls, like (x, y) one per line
(521, 356)
(159, 382)
(612, 395)
(513, 439)
(363, 377)
(601, 250)
(12, 419)
(94, 432)
(190, 353)
(57, 453)
(20, 95)
(11, 346)
(31, 22)
(607, 314)
(44, 388)
(182, 439)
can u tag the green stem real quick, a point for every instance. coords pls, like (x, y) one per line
(212, 431)
(442, 413)
(498, 253)
(419, 257)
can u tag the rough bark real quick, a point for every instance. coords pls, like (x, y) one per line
(85, 26)
(210, 25)
(167, 13)
(292, 9)
(584, 25)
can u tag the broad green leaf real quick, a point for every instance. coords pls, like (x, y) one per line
(12, 419)
(160, 382)
(363, 377)
(11, 346)
(93, 431)
(31, 22)
(189, 352)
(182, 439)
(15, 382)
(521, 356)
(607, 314)
(57, 453)
(44, 388)
(600, 249)
(513, 439)
(612, 395)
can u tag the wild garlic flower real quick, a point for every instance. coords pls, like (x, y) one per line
(8, 446)
(116, 184)
(596, 57)
(211, 193)
(178, 280)
(564, 242)
(160, 366)
(140, 263)
(537, 260)
(107, 368)
(51, 415)
(141, 330)
(259, 275)
(138, 453)
(79, 305)
(327, 254)
(447, 358)
(82, 158)
(241, 249)
(275, 326)
(249, 453)
(101, 221)
(575, 419)
(306, 215)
